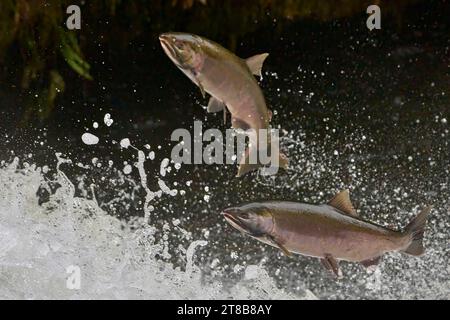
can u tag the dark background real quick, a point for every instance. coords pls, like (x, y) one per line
(380, 99)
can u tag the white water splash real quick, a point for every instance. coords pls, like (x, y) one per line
(89, 138)
(127, 169)
(125, 143)
(163, 167)
(39, 242)
(108, 120)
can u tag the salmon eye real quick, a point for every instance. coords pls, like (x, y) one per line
(249, 216)
(180, 45)
(244, 216)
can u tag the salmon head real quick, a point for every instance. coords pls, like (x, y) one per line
(252, 220)
(185, 50)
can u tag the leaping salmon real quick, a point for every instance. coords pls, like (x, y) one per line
(331, 231)
(231, 83)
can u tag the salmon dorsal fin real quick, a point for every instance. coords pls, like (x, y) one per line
(255, 63)
(342, 202)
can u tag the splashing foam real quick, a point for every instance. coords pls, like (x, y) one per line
(89, 138)
(384, 196)
(117, 260)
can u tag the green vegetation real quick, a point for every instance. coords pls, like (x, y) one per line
(36, 46)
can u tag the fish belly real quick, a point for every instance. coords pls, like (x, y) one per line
(238, 89)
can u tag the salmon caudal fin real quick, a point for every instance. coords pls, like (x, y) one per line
(416, 228)
(245, 166)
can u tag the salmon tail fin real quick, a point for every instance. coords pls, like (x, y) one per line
(415, 229)
(245, 166)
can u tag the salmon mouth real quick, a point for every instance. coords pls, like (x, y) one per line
(164, 39)
(167, 45)
(231, 215)
(230, 218)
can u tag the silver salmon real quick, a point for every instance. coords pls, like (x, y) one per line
(231, 83)
(331, 231)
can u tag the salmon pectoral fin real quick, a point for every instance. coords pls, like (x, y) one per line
(371, 262)
(215, 105)
(279, 245)
(332, 265)
(200, 86)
